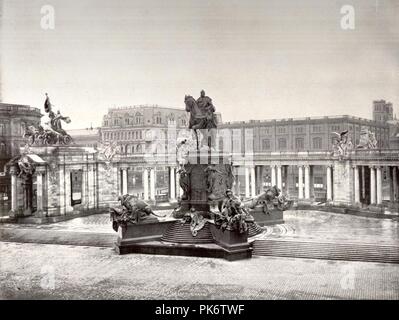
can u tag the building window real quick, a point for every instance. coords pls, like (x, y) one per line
(316, 129)
(280, 129)
(264, 130)
(138, 118)
(299, 129)
(2, 131)
(299, 143)
(116, 122)
(2, 148)
(265, 144)
(335, 128)
(127, 121)
(282, 143)
(317, 143)
(318, 183)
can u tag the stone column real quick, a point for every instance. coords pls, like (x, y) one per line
(124, 180)
(395, 183)
(329, 183)
(390, 183)
(300, 182)
(68, 191)
(90, 186)
(356, 184)
(152, 184)
(253, 182)
(14, 194)
(279, 178)
(307, 182)
(62, 190)
(179, 190)
(145, 184)
(273, 173)
(237, 182)
(247, 194)
(373, 197)
(172, 184)
(39, 191)
(379, 185)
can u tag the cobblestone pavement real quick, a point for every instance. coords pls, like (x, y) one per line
(36, 271)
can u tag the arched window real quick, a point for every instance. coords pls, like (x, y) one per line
(158, 118)
(138, 118)
(138, 148)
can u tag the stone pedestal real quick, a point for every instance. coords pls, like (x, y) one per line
(145, 231)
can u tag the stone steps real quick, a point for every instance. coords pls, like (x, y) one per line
(327, 250)
(181, 233)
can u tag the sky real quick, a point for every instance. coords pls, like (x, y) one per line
(255, 59)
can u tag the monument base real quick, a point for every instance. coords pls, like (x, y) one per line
(150, 238)
(267, 219)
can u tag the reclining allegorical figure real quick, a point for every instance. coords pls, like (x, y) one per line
(131, 210)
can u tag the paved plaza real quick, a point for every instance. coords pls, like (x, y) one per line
(77, 272)
(74, 259)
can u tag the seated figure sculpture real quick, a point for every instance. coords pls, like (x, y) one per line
(233, 215)
(131, 210)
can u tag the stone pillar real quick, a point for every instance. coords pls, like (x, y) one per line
(145, 184)
(300, 182)
(179, 190)
(279, 178)
(307, 182)
(68, 191)
(39, 191)
(14, 194)
(172, 184)
(395, 183)
(273, 178)
(373, 196)
(124, 180)
(356, 181)
(253, 182)
(390, 184)
(247, 195)
(152, 184)
(90, 186)
(379, 185)
(237, 182)
(62, 190)
(329, 183)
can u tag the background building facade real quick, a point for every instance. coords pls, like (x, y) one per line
(14, 118)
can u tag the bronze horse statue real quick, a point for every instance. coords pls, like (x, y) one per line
(199, 118)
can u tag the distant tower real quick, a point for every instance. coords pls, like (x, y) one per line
(382, 111)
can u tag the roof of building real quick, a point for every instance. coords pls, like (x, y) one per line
(339, 117)
(83, 132)
(17, 107)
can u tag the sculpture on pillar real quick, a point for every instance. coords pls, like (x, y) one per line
(202, 118)
(367, 139)
(107, 150)
(270, 199)
(184, 182)
(131, 210)
(342, 144)
(233, 215)
(52, 133)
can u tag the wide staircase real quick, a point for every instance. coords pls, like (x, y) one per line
(331, 250)
(181, 233)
